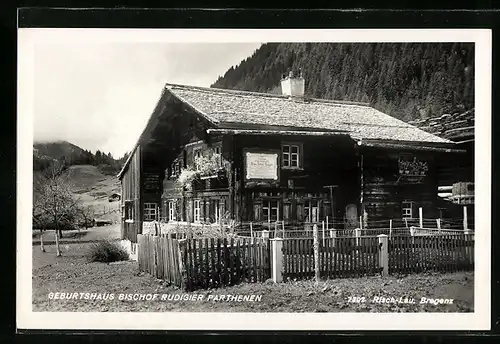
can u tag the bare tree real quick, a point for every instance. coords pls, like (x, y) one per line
(87, 215)
(54, 205)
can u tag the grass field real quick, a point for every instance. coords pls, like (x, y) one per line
(71, 273)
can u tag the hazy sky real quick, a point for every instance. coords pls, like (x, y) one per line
(100, 96)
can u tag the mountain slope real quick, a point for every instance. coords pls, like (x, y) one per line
(409, 81)
(56, 149)
(69, 154)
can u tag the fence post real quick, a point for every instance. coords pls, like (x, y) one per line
(438, 224)
(181, 246)
(277, 260)
(41, 241)
(265, 234)
(390, 228)
(465, 218)
(357, 233)
(58, 251)
(361, 222)
(283, 228)
(383, 254)
(333, 235)
(327, 222)
(323, 229)
(412, 233)
(316, 252)
(251, 230)
(421, 217)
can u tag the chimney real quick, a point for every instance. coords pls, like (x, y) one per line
(293, 86)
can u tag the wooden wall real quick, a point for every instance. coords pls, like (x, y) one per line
(384, 189)
(131, 191)
(325, 161)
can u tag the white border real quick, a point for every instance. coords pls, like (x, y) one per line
(479, 320)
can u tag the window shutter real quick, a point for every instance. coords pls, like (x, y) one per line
(414, 210)
(222, 205)
(300, 211)
(189, 210)
(257, 211)
(202, 210)
(287, 211)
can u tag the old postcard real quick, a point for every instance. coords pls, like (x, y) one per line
(254, 179)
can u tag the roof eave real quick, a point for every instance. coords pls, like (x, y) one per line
(446, 147)
(170, 92)
(287, 132)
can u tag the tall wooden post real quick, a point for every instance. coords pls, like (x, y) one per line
(316, 252)
(384, 254)
(465, 218)
(41, 241)
(323, 230)
(58, 251)
(421, 217)
(277, 260)
(390, 228)
(251, 230)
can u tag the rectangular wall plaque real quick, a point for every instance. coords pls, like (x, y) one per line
(261, 166)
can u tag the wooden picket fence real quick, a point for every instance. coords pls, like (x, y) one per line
(340, 257)
(212, 263)
(161, 257)
(443, 253)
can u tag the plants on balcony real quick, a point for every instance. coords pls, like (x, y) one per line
(412, 167)
(209, 166)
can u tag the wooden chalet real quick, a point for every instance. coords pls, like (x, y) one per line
(207, 154)
(456, 173)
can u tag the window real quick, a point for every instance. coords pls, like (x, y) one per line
(291, 156)
(218, 154)
(150, 211)
(129, 211)
(270, 210)
(176, 169)
(406, 209)
(311, 211)
(196, 210)
(171, 210)
(196, 155)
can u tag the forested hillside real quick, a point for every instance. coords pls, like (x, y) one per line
(409, 81)
(69, 154)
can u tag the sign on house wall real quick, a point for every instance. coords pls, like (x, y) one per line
(261, 165)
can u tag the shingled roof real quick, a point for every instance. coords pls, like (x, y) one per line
(359, 120)
(226, 108)
(458, 127)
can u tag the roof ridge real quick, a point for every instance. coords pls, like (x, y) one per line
(267, 95)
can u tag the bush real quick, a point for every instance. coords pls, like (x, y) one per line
(106, 252)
